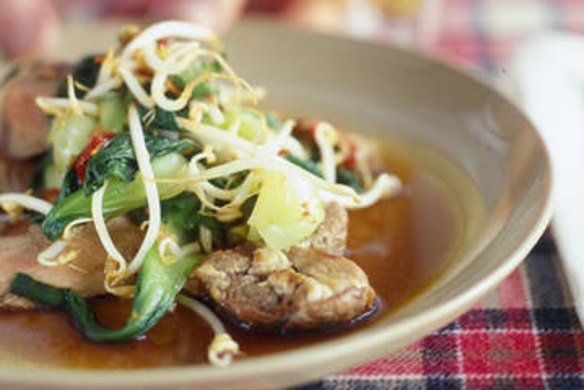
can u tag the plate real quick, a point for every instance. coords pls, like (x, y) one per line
(386, 92)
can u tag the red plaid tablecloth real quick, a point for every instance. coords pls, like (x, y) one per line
(524, 335)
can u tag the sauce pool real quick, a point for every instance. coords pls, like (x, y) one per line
(403, 245)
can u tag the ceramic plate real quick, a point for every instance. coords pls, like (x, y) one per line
(386, 92)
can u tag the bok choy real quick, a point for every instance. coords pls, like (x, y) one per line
(157, 285)
(163, 132)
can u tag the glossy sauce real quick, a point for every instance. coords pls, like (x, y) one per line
(403, 245)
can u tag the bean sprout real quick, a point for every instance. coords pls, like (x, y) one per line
(223, 348)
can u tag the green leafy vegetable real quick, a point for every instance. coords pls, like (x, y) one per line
(41, 293)
(349, 178)
(250, 122)
(285, 212)
(159, 119)
(217, 229)
(344, 176)
(247, 206)
(272, 121)
(120, 196)
(198, 68)
(70, 134)
(112, 111)
(157, 285)
(85, 73)
(181, 210)
(116, 159)
(184, 212)
(69, 185)
(307, 165)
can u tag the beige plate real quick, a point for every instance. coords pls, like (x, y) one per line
(381, 89)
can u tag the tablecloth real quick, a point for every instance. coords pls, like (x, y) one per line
(525, 334)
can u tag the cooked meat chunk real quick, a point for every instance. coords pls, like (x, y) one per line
(331, 235)
(18, 253)
(23, 126)
(15, 176)
(338, 292)
(302, 289)
(307, 287)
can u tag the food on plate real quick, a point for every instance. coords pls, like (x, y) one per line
(165, 183)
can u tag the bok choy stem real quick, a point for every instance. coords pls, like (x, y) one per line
(120, 197)
(157, 285)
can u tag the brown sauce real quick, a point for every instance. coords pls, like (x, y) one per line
(402, 244)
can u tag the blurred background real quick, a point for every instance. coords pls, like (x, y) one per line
(469, 33)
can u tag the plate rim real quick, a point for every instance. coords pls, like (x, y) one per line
(326, 352)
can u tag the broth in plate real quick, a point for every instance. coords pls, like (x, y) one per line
(403, 244)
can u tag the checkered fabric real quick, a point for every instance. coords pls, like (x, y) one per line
(524, 335)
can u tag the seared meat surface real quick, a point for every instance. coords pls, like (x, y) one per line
(331, 235)
(306, 287)
(302, 289)
(16, 176)
(18, 253)
(23, 126)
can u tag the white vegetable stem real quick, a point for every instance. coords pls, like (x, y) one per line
(136, 88)
(102, 232)
(26, 201)
(384, 186)
(102, 88)
(221, 141)
(145, 169)
(276, 164)
(174, 29)
(326, 137)
(223, 348)
(274, 145)
(51, 104)
(176, 62)
(48, 256)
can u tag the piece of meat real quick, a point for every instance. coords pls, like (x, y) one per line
(85, 275)
(331, 235)
(23, 126)
(15, 176)
(307, 287)
(304, 288)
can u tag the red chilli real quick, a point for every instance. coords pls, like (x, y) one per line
(93, 147)
(351, 161)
